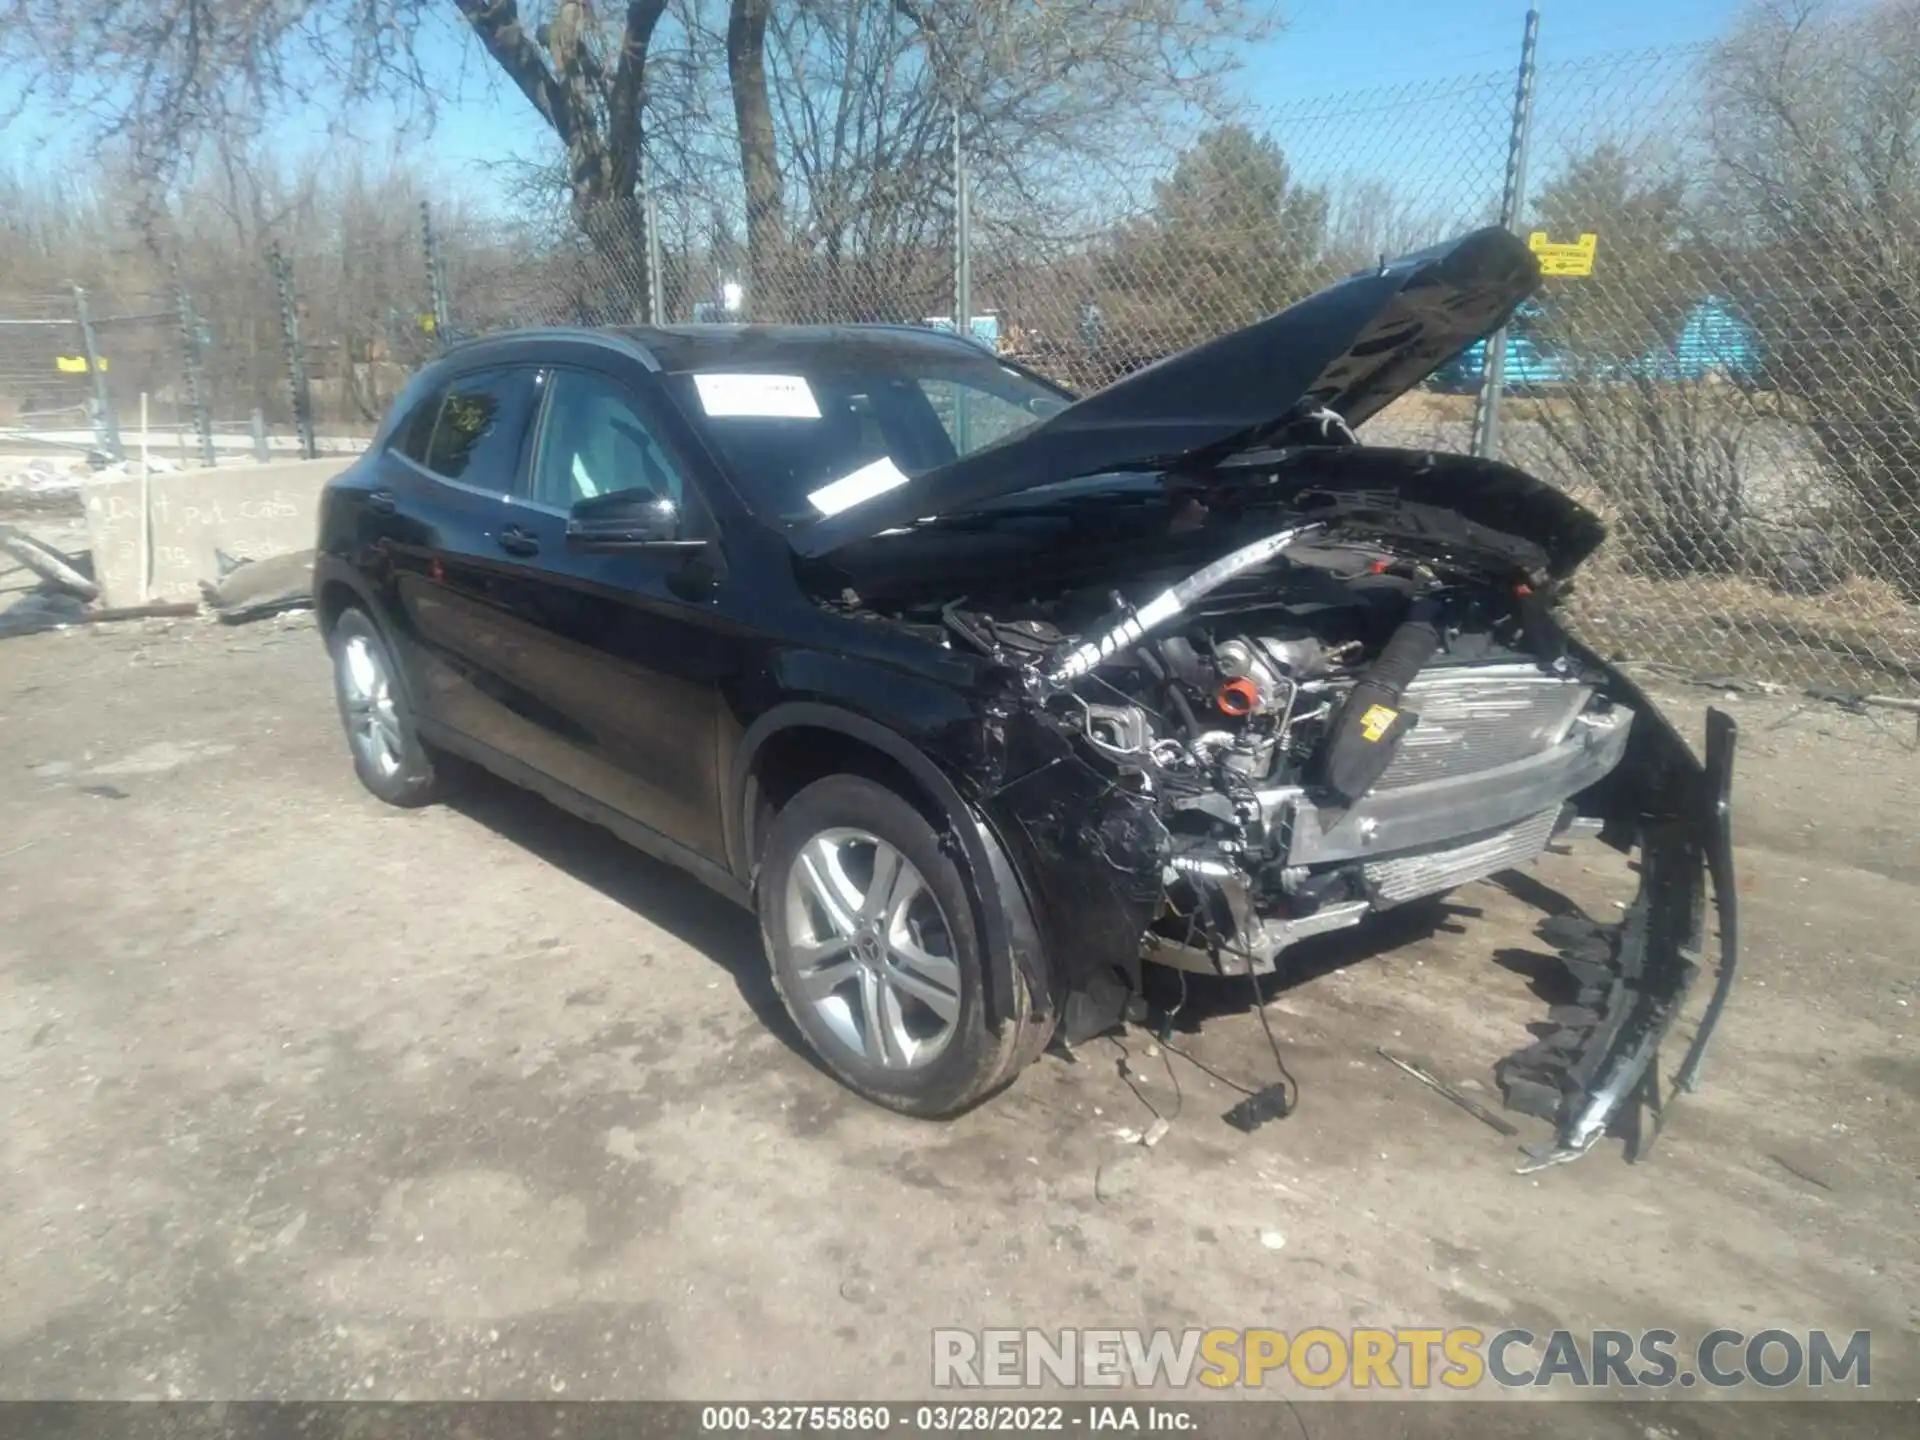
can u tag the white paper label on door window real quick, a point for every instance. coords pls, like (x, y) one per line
(863, 484)
(759, 397)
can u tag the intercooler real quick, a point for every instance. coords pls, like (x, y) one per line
(1408, 877)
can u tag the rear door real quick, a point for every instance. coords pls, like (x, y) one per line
(451, 497)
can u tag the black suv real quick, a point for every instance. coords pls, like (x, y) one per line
(989, 698)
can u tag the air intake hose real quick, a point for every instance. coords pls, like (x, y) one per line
(1366, 733)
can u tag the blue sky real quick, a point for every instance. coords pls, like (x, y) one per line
(1328, 47)
(1334, 45)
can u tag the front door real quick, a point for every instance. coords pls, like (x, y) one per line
(613, 650)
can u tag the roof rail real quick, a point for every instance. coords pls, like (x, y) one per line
(608, 337)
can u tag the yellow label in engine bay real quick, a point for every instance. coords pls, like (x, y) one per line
(1376, 722)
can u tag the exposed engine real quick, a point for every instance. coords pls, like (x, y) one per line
(1272, 729)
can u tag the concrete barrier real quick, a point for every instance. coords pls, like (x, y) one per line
(247, 512)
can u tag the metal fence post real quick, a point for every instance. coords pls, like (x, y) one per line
(190, 342)
(106, 428)
(656, 297)
(436, 276)
(296, 357)
(1513, 197)
(962, 273)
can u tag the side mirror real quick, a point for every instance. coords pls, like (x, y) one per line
(625, 517)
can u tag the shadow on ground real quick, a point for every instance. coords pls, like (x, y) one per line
(655, 891)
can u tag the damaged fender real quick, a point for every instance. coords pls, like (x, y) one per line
(1009, 931)
(1094, 841)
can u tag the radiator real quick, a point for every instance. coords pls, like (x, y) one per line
(1475, 718)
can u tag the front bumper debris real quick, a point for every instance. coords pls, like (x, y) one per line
(1598, 1068)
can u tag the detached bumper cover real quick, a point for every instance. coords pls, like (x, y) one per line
(1597, 1069)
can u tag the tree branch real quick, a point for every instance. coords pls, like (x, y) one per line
(629, 90)
(497, 23)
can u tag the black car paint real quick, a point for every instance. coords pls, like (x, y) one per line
(638, 684)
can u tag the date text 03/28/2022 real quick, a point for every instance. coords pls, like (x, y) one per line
(948, 1418)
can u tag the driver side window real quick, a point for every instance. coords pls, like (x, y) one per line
(596, 442)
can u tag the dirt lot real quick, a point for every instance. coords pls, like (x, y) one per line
(309, 1097)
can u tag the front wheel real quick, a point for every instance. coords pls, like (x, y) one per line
(870, 932)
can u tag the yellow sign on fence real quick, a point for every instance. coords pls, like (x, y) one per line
(76, 364)
(1574, 259)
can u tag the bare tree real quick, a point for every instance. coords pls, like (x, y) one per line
(170, 75)
(869, 149)
(847, 110)
(1049, 98)
(1369, 217)
(1816, 133)
(759, 158)
(1056, 101)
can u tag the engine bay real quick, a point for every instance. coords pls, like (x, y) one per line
(1270, 687)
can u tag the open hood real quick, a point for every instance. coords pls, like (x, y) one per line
(1352, 348)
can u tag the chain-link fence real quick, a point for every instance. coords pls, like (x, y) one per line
(1735, 386)
(1732, 382)
(78, 367)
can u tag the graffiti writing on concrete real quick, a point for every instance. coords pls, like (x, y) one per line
(168, 511)
(192, 521)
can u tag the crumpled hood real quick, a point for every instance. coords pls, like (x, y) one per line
(1352, 348)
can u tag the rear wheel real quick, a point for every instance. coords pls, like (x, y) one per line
(388, 754)
(870, 931)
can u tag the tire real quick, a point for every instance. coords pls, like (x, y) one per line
(388, 754)
(888, 994)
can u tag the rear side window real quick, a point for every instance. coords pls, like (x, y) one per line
(482, 421)
(415, 430)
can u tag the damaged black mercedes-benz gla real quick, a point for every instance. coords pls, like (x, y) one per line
(989, 698)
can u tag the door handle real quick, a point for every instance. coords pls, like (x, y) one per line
(518, 540)
(381, 502)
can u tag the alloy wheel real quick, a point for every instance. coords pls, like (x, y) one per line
(373, 726)
(872, 950)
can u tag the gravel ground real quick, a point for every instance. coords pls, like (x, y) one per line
(308, 1097)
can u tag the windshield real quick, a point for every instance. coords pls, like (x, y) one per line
(819, 438)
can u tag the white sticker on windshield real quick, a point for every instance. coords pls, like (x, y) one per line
(863, 484)
(759, 397)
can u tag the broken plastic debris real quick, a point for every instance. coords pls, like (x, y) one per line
(1273, 1240)
(1156, 1132)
